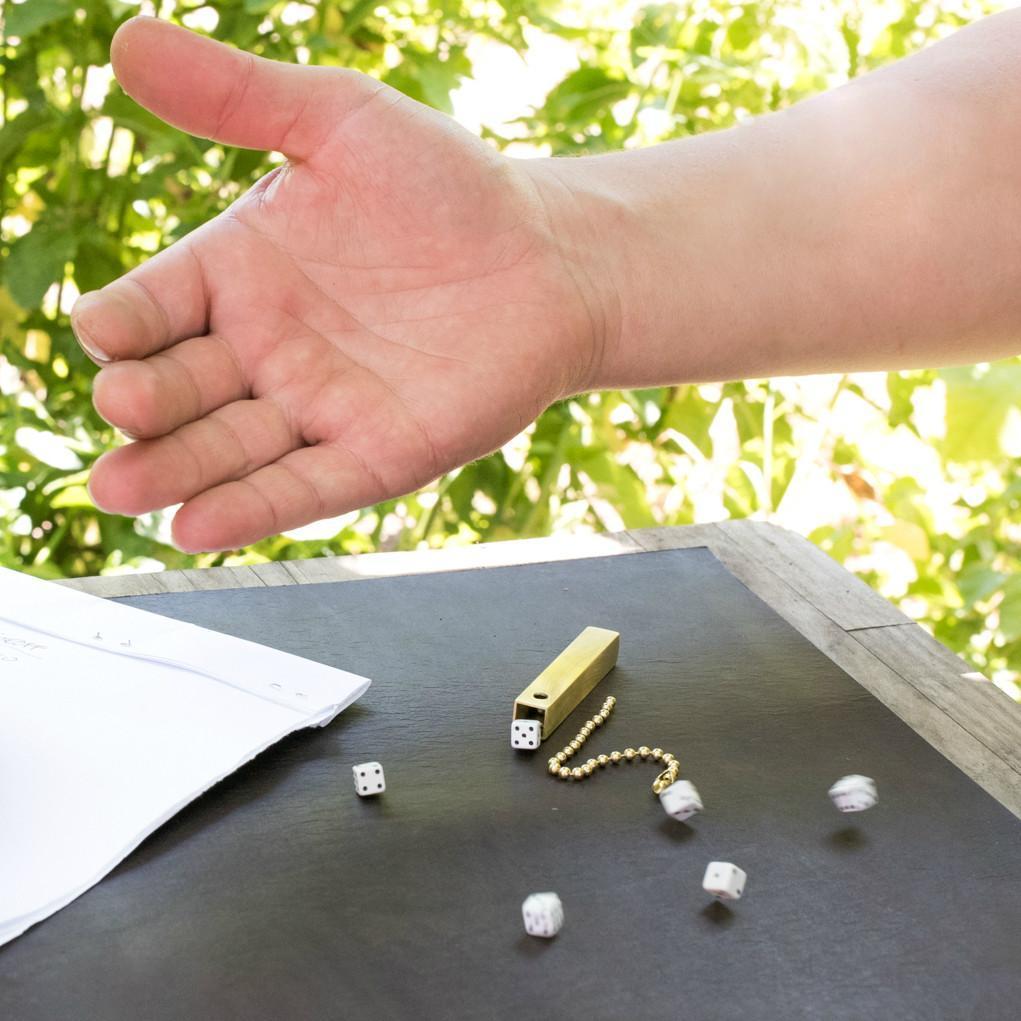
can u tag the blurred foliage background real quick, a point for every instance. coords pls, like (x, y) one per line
(910, 479)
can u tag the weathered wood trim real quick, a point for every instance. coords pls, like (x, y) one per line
(957, 711)
(963, 716)
(948, 682)
(365, 565)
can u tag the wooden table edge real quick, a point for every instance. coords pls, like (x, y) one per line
(935, 692)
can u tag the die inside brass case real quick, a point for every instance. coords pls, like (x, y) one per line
(555, 693)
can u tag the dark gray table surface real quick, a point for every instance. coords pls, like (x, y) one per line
(280, 894)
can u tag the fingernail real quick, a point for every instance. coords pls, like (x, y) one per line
(81, 332)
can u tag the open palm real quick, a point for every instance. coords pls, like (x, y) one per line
(389, 304)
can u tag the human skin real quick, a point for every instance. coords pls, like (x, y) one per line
(398, 298)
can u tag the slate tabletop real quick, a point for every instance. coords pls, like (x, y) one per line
(280, 894)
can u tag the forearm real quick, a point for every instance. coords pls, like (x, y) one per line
(874, 227)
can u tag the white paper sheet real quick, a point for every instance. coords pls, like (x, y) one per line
(112, 719)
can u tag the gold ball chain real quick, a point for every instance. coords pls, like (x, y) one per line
(558, 763)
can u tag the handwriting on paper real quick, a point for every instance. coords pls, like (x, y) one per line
(12, 648)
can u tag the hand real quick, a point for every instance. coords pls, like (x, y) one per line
(388, 305)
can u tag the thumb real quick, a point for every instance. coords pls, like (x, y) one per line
(212, 90)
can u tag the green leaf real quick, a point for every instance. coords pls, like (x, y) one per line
(1010, 609)
(741, 497)
(852, 40)
(73, 496)
(900, 389)
(744, 29)
(399, 78)
(28, 17)
(926, 586)
(691, 416)
(15, 132)
(909, 537)
(438, 80)
(617, 484)
(783, 475)
(978, 400)
(421, 76)
(97, 262)
(584, 94)
(357, 13)
(36, 261)
(657, 26)
(978, 582)
(126, 113)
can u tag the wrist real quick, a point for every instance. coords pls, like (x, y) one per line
(635, 232)
(675, 249)
(581, 219)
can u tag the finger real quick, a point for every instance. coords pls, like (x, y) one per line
(303, 486)
(229, 443)
(167, 390)
(147, 310)
(212, 90)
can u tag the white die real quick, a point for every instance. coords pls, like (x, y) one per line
(680, 800)
(526, 734)
(543, 914)
(724, 880)
(369, 779)
(854, 793)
